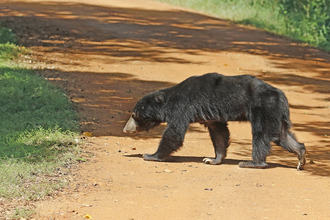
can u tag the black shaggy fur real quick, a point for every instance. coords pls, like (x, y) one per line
(213, 100)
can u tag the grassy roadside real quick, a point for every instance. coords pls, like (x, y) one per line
(38, 131)
(305, 20)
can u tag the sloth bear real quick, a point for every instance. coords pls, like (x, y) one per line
(213, 100)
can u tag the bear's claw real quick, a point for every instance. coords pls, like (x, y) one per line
(211, 161)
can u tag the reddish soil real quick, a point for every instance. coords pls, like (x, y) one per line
(108, 54)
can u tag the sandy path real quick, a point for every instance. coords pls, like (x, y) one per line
(108, 54)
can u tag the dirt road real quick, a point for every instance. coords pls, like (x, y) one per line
(107, 54)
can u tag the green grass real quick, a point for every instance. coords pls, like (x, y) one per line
(8, 48)
(26, 181)
(6, 35)
(38, 130)
(9, 51)
(245, 11)
(304, 20)
(260, 13)
(21, 213)
(32, 111)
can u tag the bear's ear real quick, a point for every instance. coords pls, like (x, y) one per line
(159, 97)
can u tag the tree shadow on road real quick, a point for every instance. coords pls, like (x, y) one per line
(137, 34)
(105, 101)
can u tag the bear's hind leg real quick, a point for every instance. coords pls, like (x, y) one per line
(290, 143)
(219, 134)
(261, 149)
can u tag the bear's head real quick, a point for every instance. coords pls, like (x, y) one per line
(147, 114)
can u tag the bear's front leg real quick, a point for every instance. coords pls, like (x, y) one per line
(171, 141)
(219, 134)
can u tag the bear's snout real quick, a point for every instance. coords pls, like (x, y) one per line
(130, 126)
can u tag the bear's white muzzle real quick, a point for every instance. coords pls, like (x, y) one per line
(130, 126)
